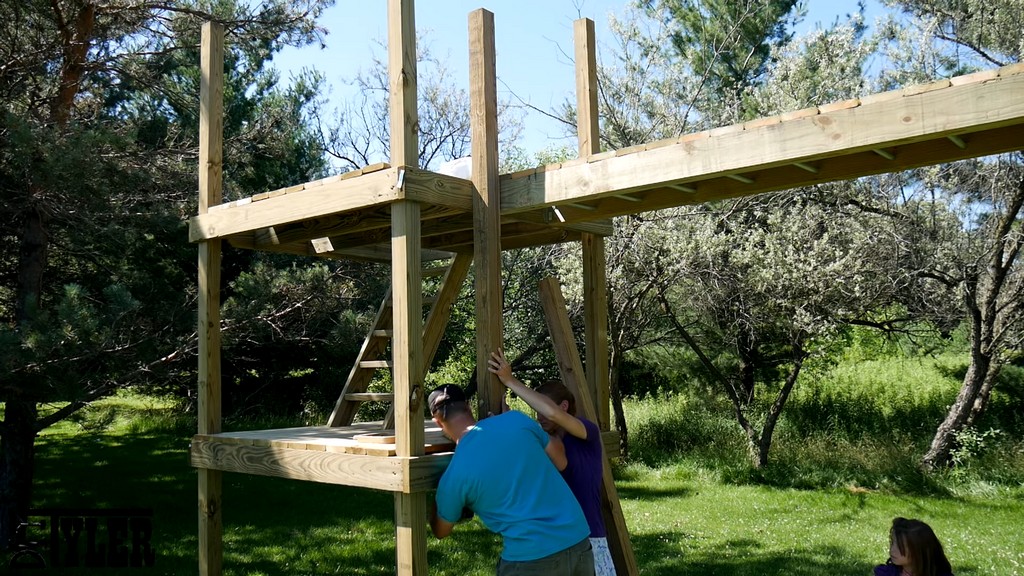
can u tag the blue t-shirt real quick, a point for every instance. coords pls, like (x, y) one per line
(584, 474)
(501, 472)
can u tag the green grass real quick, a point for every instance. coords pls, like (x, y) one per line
(685, 521)
(692, 502)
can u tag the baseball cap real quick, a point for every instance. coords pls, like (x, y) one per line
(445, 395)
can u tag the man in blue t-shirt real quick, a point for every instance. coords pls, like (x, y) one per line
(504, 471)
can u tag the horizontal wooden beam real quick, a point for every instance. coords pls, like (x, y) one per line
(305, 204)
(970, 108)
(924, 153)
(390, 473)
(332, 197)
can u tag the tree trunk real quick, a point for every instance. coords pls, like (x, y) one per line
(991, 306)
(21, 414)
(616, 396)
(746, 345)
(764, 443)
(959, 413)
(17, 452)
(32, 257)
(983, 395)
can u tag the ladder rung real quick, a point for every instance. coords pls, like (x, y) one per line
(383, 333)
(375, 364)
(370, 396)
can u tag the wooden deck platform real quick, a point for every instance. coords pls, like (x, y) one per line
(348, 216)
(361, 455)
(347, 455)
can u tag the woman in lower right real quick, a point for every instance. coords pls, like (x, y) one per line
(914, 550)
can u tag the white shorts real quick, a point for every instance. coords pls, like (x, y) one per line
(603, 565)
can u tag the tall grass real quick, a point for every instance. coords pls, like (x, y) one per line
(863, 424)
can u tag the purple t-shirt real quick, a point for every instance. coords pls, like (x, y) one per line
(891, 570)
(887, 570)
(583, 474)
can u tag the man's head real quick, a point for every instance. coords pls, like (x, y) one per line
(445, 401)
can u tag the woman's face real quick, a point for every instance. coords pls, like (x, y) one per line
(898, 558)
(548, 426)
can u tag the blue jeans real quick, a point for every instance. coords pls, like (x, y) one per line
(576, 560)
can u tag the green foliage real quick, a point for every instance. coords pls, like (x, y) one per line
(862, 424)
(728, 44)
(75, 350)
(972, 443)
(697, 426)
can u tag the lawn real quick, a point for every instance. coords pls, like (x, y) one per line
(685, 516)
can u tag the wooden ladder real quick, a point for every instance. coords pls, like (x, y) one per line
(376, 349)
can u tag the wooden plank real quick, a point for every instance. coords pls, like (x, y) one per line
(382, 253)
(342, 195)
(929, 115)
(407, 313)
(833, 168)
(557, 318)
(440, 312)
(211, 105)
(588, 134)
(595, 311)
(377, 438)
(595, 289)
(393, 474)
(407, 346)
(438, 189)
(370, 396)
(483, 105)
(309, 435)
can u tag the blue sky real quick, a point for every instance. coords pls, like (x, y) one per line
(533, 44)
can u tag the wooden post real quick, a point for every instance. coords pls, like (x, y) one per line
(557, 318)
(407, 296)
(595, 283)
(211, 126)
(483, 106)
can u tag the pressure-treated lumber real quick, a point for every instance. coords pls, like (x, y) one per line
(327, 454)
(399, 213)
(350, 213)
(557, 318)
(595, 281)
(211, 104)
(406, 286)
(335, 196)
(841, 142)
(483, 107)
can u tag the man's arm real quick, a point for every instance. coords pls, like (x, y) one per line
(439, 526)
(556, 452)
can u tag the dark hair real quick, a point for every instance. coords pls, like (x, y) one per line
(558, 392)
(447, 399)
(918, 543)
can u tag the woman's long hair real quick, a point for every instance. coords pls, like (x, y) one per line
(922, 548)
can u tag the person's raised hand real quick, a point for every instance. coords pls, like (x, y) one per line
(499, 366)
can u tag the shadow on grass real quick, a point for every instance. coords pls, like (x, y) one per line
(653, 493)
(662, 554)
(271, 525)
